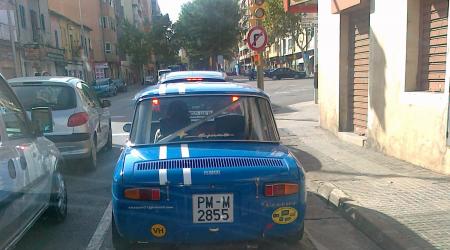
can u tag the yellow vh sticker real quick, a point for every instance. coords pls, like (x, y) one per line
(284, 215)
(158, 230)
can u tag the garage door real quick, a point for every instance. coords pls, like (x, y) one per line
(434, 21)
(359, 68)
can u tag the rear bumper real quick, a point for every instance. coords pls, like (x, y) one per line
(73, 146)
(134, 222)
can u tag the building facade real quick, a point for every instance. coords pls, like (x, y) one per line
(9, 65)
(35, 51)
(383, 76)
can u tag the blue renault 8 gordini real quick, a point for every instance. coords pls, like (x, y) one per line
(204, 164)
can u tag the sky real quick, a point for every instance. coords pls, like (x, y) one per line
(171, 7)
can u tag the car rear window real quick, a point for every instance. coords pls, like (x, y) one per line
(203, 118)
(55, 97)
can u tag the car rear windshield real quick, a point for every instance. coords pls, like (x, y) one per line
(56, 97)
(203, 118)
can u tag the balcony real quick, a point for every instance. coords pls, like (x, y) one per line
(36, 52)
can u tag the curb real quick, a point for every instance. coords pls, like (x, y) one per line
(375, 226)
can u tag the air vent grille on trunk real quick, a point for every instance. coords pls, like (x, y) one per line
(222, 162)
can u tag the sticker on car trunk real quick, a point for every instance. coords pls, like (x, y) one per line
(284, 215)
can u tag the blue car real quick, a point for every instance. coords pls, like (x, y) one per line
(105, 87)
(204, 164)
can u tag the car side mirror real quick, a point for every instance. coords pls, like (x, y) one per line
(106, 103)
(42, 120)
(127, 127)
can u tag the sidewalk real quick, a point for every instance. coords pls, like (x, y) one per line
(396, 204)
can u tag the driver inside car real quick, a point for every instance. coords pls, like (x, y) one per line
(177, 117)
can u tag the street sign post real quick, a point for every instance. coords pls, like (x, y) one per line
(257, 40)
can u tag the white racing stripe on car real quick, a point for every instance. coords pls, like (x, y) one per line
(181, 88)
(184, 151)
(99, 235)
(162, 89)
(163, 152)
(162, 176)
(187, 179)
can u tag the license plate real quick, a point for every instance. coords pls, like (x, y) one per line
(212, 208)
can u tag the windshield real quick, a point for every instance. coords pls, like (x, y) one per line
(205, 118)
(56, 97)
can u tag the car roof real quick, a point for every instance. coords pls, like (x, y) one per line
(200, 88)
(54, 80)
(187, 74)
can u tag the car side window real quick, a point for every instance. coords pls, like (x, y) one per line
(89, 95)
(14, 117)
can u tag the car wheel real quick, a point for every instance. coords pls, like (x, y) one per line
(118, 241)
(274, 78)
(297, 76)
(92, 159)
(58, 198)
(294, 239)
(108, 146)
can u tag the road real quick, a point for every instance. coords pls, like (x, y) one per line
(88, 222)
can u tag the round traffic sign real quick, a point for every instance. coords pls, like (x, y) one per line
(257, 38)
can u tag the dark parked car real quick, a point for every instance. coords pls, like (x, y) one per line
(280, 73)
(121, 85)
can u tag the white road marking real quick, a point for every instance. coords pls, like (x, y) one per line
(187, 179)
(121, 134)
(99, 235)
(162, 89)
(163, 152)
(162, 176)
(184, 151)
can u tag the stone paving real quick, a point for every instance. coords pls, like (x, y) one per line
(411, 204)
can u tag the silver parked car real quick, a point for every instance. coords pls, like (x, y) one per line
(82, 123)
(30, 179)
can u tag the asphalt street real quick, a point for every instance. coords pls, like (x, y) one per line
(88, 224)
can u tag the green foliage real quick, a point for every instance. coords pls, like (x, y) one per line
(280, 24)
(163, 40)
(207, 28)
(134, 43)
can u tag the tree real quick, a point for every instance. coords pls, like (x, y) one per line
(133, 42)
(208, 28)
(280, 24)
(163, 41)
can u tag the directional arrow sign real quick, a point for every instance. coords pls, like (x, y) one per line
(257, 38)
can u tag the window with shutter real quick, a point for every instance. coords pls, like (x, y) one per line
(432, 45)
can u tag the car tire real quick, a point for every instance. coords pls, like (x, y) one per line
(296, 76)
(119, 243)
(91, 161)
(275, 78)
(58, 198)
(109, 144)
(294, 239)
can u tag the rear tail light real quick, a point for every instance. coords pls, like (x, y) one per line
(280, 189)
(144, 194)
(78, 119)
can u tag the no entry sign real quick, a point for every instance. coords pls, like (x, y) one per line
(257, 38)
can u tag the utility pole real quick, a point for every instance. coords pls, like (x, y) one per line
(12, 38)
(316, 61)
(260, 67)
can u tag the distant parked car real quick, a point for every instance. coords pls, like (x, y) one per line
(280, 73)
(121, 85)
(105, 87)
(30, 169)
(82, 123)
